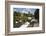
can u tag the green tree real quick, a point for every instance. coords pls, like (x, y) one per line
(36, 14)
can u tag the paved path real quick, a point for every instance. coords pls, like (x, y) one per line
(25, 25)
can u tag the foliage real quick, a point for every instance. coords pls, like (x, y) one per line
(36, 14)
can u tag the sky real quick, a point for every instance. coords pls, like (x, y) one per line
(25, 10)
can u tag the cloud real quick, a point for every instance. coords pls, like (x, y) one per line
(25, 10)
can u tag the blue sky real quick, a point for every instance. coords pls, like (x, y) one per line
(25, 10)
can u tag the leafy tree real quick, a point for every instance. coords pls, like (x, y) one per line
(36, 14)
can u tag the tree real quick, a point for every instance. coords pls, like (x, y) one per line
(36, 14)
